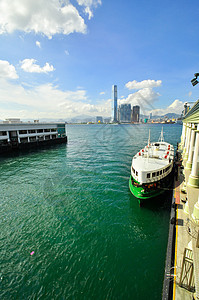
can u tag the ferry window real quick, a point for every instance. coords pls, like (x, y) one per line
(148, 175)
(136, 173)
(133, 170)
(153, 174)
(158, 173)
(161, 172)
(164, 171)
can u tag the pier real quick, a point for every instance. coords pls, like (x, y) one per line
(16, 135)
(181, 281)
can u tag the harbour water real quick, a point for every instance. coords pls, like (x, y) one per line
(71, 229)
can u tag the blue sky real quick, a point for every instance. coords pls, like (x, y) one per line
(59, 59)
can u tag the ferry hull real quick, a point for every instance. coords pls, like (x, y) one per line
(146, 194)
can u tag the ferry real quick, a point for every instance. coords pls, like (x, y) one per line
(151, 170)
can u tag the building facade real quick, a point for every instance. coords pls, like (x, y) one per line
(124, 113)
(136, 114)
(99, 119)
(115, 118)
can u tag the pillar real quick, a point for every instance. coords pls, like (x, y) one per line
(191, 148)
(183, 136)
(193, 180)
(187, 145)
(195, 214)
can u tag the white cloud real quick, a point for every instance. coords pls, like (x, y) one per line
(176, 106)
(46, 101)
(89, 12)
(66, 52)
(102, 93)
(29, 65)
(134, 85)
(145, 98)
(39, 16)
(7, 70)
(88, 4)
(38, 44)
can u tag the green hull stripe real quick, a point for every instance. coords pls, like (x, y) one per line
(140, 193)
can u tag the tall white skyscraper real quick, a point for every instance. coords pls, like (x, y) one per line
(114, 103)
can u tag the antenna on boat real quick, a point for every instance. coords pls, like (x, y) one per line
(149, 137)
(148, 144)
(161, 136)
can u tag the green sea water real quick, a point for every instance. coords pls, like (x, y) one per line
(71, 229)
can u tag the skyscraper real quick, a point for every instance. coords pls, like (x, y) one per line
(136, 114)
(124, 113)
(114, 103)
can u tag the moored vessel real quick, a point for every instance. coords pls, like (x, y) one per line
(151, 169)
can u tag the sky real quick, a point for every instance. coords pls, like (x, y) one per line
(60, 58)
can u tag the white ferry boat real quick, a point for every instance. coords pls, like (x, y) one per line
(151, 169)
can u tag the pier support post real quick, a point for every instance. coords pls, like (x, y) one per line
(195, 214)
(183, 136)
(191, 148)
(187, 145)
(185, 139)
(193, 180)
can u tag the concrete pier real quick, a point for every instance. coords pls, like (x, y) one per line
(182, 277)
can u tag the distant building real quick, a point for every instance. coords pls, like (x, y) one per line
(124, 113)
(107, 120)
(115, 119)
(99, 119)
(12, 121)
(150, 116)
(136, 114)
(186, 108)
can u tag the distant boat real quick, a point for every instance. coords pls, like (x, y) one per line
(151, 169)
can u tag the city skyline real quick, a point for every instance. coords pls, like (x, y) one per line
(66, 66)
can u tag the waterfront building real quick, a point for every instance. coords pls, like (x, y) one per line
(124, 113)
(136, 114)
(186, 266)
(115, 119)
(99, 119)
(18, 135)
(107, 120)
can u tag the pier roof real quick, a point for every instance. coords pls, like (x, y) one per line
(193, 114)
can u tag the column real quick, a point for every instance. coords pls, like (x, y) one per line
(8, 136)
(191, 148)
(187, 145)
(18, 136)
(195, 214)
(193, 180)
(183, 136)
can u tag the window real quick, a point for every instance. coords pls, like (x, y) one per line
(31, 131)
(3, 133)
(153, 174)
(148, 175)
(22, 131)
(161, 172)
(133, 170)
(136, 173)
(158, 173)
